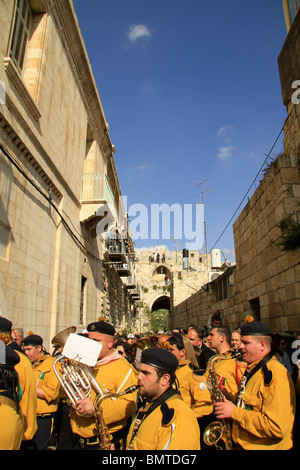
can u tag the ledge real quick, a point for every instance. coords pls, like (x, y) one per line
(22, 89)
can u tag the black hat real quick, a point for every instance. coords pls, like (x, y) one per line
(5, 325)
(32, 340)
(255, 328)
(160, 358)
(8, 357)
(101, 327)
(177, 339)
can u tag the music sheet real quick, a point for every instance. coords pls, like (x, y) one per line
(82, 349)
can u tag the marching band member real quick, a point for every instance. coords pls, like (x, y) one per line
(263, 416)
(28, 396)
(47, 388)
(192, 388)
(11, 420)
(114, 374)
(165, 421)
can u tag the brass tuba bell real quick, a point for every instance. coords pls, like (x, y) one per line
(59, 340)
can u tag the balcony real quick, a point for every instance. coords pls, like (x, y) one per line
(116, 250)
(130, 282)
(95, 191)
(123, 269)
(135, 293)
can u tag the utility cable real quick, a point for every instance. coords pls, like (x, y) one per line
(50, 201)
(254, 180)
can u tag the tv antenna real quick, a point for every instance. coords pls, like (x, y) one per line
(202, 196)
(177, 244)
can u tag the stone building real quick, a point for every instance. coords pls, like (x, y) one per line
(266, 279)
(58, 178)
(166, 278)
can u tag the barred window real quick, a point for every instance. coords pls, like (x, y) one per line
(20, 33)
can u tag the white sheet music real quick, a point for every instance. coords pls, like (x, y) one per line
(82, 349)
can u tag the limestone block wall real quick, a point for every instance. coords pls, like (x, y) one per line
(265, 271)
(267, 278)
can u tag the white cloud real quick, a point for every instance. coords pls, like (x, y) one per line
(225, 152)
(137, 32)
(145, 166)
(224, 129)
(225, 135)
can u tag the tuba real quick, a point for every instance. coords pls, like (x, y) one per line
(218, 433)
(74, 377)
(138, 346)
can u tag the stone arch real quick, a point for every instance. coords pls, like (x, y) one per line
(161, 302)
(160, 273)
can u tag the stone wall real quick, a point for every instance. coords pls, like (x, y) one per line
(185, 277)
(52, 131)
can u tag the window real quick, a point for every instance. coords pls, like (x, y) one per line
(254, 307)
(221, 289)
(20, 33)
(82, 300)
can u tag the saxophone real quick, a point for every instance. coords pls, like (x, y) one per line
(105, 437)
(218, 433)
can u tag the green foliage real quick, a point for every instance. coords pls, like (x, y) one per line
(290, 237)
(159, 319)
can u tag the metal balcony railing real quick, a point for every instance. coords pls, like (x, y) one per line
(95, 187)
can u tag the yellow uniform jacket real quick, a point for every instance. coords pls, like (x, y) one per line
(113, 377)
(228, 373)
(45, 378)
(171, 426)
(11, 425)
(28, 401)
(265, 420)
(193, 390)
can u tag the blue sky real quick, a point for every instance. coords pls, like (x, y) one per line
(191, 92)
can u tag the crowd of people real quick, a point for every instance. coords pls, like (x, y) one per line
(182, 389)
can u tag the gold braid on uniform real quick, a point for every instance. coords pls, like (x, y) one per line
(5, 337)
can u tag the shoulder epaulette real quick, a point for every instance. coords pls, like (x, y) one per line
(167, 414)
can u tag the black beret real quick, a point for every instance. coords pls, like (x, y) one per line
(32, 340)
(101, 327)
(255, 328)
(177, 339)
(160, 358)
(5, 325)
(8, 357)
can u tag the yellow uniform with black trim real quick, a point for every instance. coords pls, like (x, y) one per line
(46, 379)
(228, 375)
(266, 420)
(158, 431)
(193, 390)
(28, 401)
(113, 377)
(11, 425)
